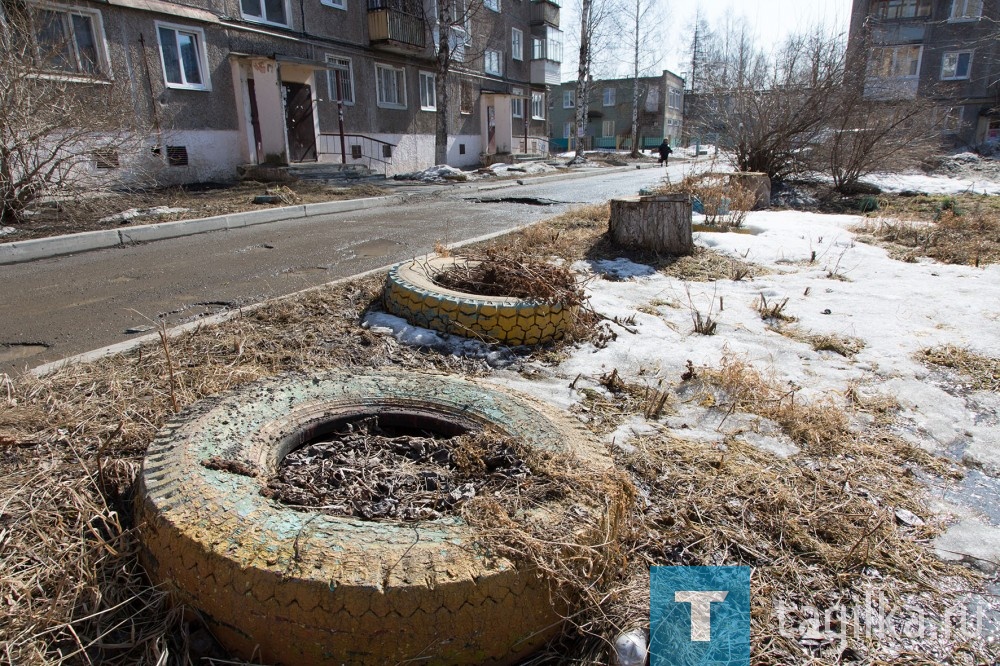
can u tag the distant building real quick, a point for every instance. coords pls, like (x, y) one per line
(609, 114)
(945, 51)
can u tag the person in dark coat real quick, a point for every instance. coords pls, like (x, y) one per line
(665, 151)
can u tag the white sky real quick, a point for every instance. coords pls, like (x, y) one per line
(772, 20)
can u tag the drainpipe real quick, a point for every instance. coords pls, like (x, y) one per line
(340, 117)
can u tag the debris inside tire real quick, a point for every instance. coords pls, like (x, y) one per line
(375, 471)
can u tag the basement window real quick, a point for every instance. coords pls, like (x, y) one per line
(106, 158)
(177, 155)
(355, 151)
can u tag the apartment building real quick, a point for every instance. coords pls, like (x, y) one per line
(609, 113)
(224, 83)
(944, 51)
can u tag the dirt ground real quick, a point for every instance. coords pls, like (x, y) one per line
(69, 216)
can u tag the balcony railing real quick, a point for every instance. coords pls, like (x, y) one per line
(397, 25)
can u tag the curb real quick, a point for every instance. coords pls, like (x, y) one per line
(174, 331)
(17, 252)
(43, 248)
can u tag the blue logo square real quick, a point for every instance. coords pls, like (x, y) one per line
(699, 616)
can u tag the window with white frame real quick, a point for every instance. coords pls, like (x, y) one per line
(567, 130)
(538, 106)
(895, 62)
(336, 4)
(428, 92)
(900, 9)
(70, 40)
(674, 98)
(608, 128)
(493, 62)
(182, 52)
(390, 85)
(965, 10)
(956, 65)
(569, 99)
(517, 107)
(492, 5)
(609, 97)
(265, 11)
(337, 67)
(516, 44)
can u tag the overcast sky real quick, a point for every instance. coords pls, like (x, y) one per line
(771, 20)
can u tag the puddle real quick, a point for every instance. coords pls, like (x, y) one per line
(377, 247)
(531, 201)
(18, 350)
(712, 228)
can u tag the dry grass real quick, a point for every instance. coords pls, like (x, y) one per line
(983, 371)
(725, 202)
(82, 214)
(845, 345)
(815, 526)
(968, 236)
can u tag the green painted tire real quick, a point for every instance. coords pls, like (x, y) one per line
(290, 587)
(410, 293)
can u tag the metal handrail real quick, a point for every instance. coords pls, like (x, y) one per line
(372, 150)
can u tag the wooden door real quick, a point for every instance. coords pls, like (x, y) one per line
(299, 122)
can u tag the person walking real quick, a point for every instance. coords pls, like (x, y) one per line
(665, 151)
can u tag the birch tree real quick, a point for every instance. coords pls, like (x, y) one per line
(642, 22)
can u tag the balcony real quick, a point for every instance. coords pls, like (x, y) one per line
(397, 25)
(545, 72)
(545, 12)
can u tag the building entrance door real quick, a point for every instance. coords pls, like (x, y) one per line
(299, 122)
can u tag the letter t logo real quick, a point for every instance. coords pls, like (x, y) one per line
(701, 616)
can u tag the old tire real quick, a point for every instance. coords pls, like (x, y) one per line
(410, 292)
(294, 587)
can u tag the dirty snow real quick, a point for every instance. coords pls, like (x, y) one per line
(522, 168)
(834, 285)
(931, 184)
(439, 173)
(7, 231)
(127, 216)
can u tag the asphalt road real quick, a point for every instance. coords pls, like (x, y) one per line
(54, 308)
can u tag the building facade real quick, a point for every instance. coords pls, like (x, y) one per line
(224, 83)
(609, 113)
(943, 51)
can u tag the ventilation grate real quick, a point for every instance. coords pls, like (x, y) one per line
(106, 158)
(177, 155)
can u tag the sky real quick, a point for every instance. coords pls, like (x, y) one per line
(771, 20)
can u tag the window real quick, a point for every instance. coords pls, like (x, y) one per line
(493, 62)
(956, 65)
(468, 98)
(951, 119)
(265, 11)
(567, 130)
(336, 4)
(390, 84)
(549, 48)
(569, 99)
(428, 92)
(516, 44)
(492, 4)
(674, 98)
(609, 97)
(71, 41)
(182, 52)
(517, 107)
(898, 9)
(895, 62)
(966, 10)
(336, 65)
(608, 128)
(538, 106)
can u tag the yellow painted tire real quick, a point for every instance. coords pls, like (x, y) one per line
(290, 587)
(410, 293)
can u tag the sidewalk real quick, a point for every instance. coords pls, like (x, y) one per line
(43, 248)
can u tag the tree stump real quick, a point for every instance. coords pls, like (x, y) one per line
(756, 182)
(656, 223)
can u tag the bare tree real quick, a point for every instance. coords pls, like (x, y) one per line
(641, 22)
(54, 121)
(596, 28)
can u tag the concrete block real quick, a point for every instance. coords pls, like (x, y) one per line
(153, 232)
(251, 218)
